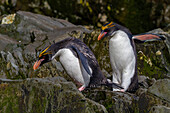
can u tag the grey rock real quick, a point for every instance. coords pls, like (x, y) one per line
(45, 95)
(26, 36)
(57, 65)
(160, 109)
(5, 40)
(3, 54)
(161, 88)
(141, 91)
(42, 26)
(115, 102)
(142, 81)
(145, 81)
(149, 63)
(147, 101)
(21, 43)
(11, 60)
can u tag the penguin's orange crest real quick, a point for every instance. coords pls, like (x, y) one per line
(44, 52)
(108, 25)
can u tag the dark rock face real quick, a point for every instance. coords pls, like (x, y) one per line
(153, 57)
(20, 43)
(157, 94)
(45, 95)
(147, 101)
(115, 102)
(22, 40)
(139, 16)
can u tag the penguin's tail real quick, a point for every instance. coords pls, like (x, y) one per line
(113, 85)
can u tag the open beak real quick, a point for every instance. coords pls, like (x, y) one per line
(37, 64)
(102, 35)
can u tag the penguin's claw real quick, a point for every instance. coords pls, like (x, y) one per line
(81, 88)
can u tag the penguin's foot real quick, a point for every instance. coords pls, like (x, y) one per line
(81, 88)
(122, 90)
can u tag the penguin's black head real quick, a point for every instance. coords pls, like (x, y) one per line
(107, 30)
(44, 57)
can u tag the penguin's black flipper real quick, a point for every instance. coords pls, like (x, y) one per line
(82, 59)
(145, 37)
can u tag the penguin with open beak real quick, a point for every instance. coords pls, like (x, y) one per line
(122, 53)
(78, 61)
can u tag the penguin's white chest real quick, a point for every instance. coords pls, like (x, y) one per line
(120, 50)
(122, 58)
(71, 64)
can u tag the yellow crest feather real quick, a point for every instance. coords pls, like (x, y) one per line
(108, 25)
(43, 52)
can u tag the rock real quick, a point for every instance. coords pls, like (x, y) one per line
(157, 94)
(115, 102)
(147, 100)
(20, 44)
(153, 14)
(22, 40)
(6, 41)
(33, 28)
(161, 88)
(140, 91)
(145, 81)
(142, 101)
(45, 95)
(160, 109)
(149, 62)
(142, 81)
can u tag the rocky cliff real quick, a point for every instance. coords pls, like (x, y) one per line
(49, 89)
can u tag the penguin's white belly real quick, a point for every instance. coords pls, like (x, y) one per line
(121, 54)
(71, 65)
(122, 59)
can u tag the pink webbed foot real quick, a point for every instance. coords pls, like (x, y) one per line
(122, 90)
(81, 88)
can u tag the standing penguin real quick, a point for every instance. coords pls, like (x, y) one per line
(123, 54)
(78, 61)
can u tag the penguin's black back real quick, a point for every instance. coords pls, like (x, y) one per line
(97, 76)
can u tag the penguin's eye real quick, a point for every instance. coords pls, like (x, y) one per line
(43, 57)
(106, 30)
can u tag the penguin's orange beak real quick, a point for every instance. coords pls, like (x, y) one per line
(102, 35)
(37, 64)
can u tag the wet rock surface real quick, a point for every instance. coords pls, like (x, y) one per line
(25, 90)
(45, 95)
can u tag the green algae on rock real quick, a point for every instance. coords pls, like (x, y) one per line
(45, 95)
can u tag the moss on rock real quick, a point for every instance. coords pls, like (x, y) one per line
(45, 95)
